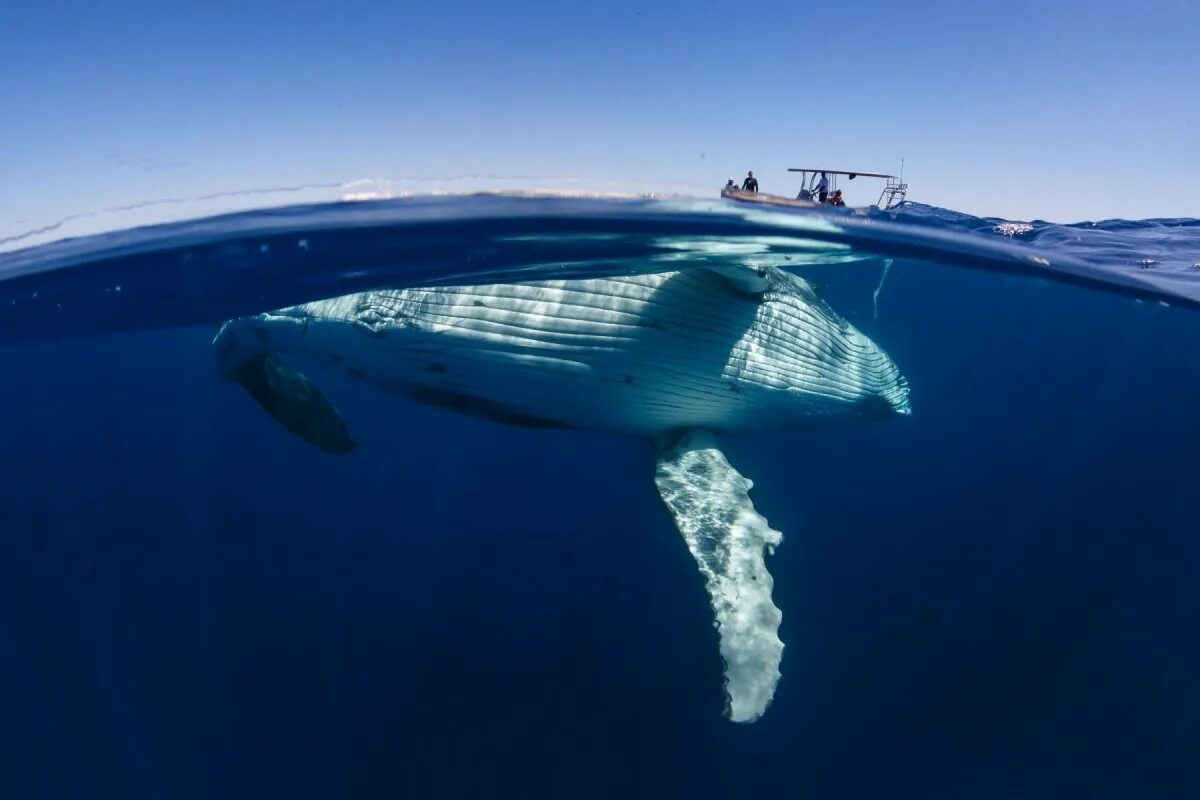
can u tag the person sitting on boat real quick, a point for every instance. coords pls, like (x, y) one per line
(822, 188)
(835, 199)
(751, 183)
(730, 185)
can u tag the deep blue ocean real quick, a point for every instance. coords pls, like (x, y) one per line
(995, 597)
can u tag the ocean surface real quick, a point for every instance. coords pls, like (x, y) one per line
(994, 597)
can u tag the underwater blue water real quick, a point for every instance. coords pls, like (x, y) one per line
(995, 597)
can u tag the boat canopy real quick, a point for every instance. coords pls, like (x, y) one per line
(851, 175)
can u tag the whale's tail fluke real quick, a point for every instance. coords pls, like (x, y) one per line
(283, 392)
(711, 505)
(292, 400)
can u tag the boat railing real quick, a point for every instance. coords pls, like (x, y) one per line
(894, 192)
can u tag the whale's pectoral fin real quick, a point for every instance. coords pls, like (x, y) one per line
(711, 505)
(294, 402)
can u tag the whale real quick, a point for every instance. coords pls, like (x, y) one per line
(677, 358)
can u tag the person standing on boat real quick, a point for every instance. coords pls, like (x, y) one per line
(751, 183)
(823, 188)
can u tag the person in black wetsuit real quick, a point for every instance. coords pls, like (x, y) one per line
(751, 183)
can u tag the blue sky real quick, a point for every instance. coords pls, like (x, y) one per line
(1052, 110)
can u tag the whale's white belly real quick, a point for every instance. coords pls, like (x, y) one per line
(641, 354)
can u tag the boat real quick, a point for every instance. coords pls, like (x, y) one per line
(893, 193)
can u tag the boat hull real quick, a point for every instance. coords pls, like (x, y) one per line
(761, 198)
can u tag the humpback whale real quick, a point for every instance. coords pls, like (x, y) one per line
(675, 357)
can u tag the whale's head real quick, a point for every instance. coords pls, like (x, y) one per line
(882, 388)
(805, 360)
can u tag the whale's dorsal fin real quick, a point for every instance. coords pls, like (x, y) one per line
(711, 505)
(293, 401)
